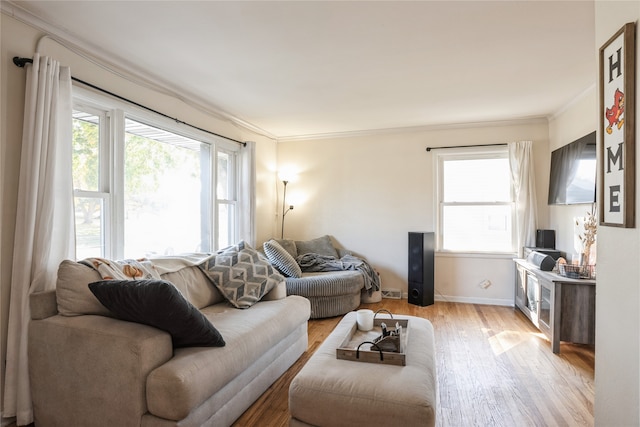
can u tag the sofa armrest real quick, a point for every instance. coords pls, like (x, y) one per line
(89, 370)
(43, 304)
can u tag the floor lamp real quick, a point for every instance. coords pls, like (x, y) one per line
(284, 207)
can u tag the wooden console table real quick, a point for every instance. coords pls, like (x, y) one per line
(564, 309)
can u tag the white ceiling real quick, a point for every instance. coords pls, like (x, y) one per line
(300, 68)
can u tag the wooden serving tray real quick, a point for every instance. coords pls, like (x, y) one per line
(348, 350)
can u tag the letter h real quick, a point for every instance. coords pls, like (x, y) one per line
(615, 65)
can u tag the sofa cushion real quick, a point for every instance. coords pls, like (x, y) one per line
(159, 304)
(193, 375)
(289, 246)
(241, 274)
(282, 259)
(321, 245)
(195, 286)
(72, 291)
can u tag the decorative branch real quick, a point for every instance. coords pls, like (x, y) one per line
(588, 236)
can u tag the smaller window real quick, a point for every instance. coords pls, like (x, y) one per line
(226, 198)
(475, 202)
(90, 181)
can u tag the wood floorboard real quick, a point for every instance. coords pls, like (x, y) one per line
(494, 369)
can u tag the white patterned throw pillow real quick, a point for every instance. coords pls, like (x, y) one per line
(241, 274)
(282, 259)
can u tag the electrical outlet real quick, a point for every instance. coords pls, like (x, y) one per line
(484, 284)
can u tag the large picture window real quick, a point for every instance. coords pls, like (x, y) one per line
(475, 202)
(145, 186)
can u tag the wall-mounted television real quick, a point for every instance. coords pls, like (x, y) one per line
(573, 172)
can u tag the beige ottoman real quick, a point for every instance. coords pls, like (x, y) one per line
(332, 392)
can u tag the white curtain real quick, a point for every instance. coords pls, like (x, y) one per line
(523, 180)
(247, 202)
(44, 233)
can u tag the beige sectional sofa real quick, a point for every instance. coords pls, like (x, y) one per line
(88, 368)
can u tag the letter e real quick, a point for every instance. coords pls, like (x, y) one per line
(614, 203)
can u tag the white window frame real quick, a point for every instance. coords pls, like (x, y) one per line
(468, 153)
(112, 164)
(232, 201)
(105, 176)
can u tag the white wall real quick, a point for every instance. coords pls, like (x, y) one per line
(617, 373)
(575, 121)
(19, 39)
(369, 191)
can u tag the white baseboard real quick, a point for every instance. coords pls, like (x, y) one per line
(473, 300)
(392, 293)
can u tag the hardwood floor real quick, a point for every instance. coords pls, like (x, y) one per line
(494, 369)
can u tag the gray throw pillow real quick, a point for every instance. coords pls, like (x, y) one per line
(283, 261)
(241, 274)
(321, 245)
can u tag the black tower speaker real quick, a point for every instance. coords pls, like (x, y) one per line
(546, 239)
(421, 268)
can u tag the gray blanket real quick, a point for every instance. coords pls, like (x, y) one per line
(318, 263)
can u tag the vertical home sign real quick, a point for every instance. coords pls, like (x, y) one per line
(617, 129)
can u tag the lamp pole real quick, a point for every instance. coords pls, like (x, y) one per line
(284, 202)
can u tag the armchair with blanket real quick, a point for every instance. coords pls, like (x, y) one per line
(333, 280)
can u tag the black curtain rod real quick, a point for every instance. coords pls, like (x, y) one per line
(21, 62)
(465, 146)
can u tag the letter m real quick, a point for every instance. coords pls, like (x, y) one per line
(614, 158)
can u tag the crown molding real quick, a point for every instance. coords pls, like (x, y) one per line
(122, 68)
(573, 102)
(414, 129)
